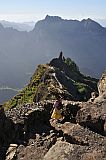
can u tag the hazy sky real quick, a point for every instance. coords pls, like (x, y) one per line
(32, 10)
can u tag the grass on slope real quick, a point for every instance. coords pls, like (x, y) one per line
(28, 93)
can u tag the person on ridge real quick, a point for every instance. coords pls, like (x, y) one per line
(56, 115)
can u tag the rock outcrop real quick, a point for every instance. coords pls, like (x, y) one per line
(92, 116)
(102, 84)
(102, 88)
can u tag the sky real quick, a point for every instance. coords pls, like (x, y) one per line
(33, 10)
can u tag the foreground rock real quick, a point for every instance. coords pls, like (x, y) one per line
(93, 116)
(60, 151)
(11, 152)
(20, 124)
(30, 119)
(80, 144)
(66, 151)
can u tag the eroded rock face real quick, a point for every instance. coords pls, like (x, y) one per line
(78, 143)
(66, 151)
(60, 151)
(93, 116)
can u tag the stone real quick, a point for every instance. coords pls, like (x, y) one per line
(11, 152)
(59, 151)
(102, 88)
(81, 143)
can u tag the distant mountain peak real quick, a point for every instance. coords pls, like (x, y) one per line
(52, 18)
(90, 25)
(89, 20)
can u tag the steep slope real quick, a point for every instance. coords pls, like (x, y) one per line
(91, 25)
(61, 76)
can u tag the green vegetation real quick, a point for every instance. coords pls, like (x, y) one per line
(72, 65)
(83, 90)
(28, 93)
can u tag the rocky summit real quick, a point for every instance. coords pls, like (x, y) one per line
(27, 130)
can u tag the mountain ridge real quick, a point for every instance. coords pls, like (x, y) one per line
(87, 24)
(60, 76)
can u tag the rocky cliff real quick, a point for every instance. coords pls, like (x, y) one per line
(27, 131)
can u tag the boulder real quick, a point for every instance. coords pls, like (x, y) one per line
(102, 88)
(60, 151)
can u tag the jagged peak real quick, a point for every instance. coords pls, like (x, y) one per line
(64, 64)
(52, 18)
(90, 24)
(48, 20)
(88, 20)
